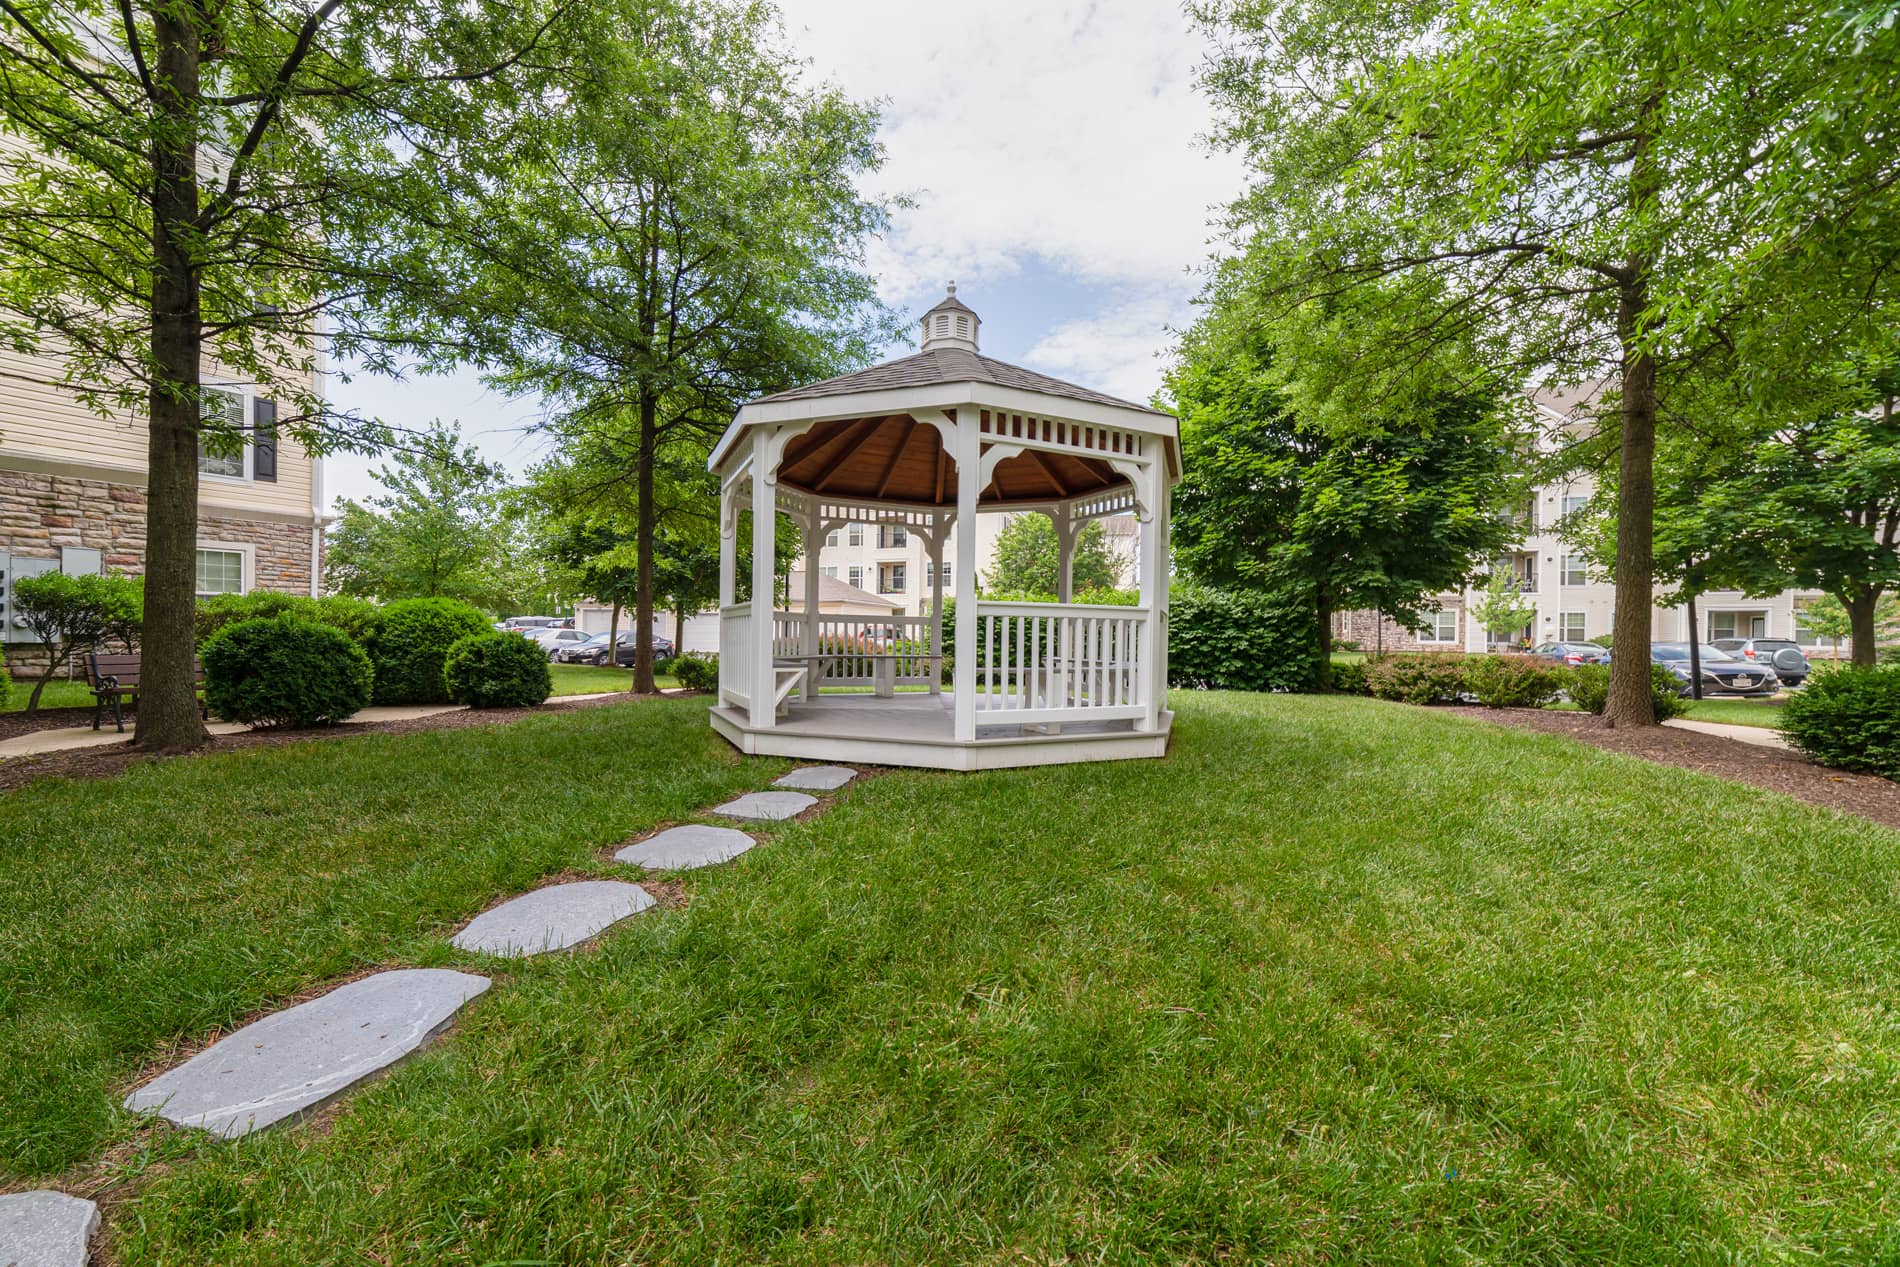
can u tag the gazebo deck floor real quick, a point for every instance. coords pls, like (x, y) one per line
(919, 729)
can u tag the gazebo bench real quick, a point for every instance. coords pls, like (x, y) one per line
(114, 680)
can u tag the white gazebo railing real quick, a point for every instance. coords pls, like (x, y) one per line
(1060, 662)
(735, 658)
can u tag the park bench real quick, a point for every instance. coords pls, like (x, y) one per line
(115, 679)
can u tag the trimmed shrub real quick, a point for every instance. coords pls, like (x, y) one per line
(1418, 677)
(497, 670)
(1590, 690)
(410, 645)
(354, 616)
(1236, 640)
(6, 686)
(664, 666)
(1517, 681)
(1604, 641)
(697, 672)
(284, 671)
(1848, 718)
(1345, 644)
(1349, 677)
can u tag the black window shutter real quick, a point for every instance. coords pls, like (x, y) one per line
(264, 445)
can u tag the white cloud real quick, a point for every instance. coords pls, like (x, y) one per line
(1060, 129)
(1121, 351)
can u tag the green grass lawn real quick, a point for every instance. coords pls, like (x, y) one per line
(1336, 981)
(59, 693)
(587, 679)
(1733, 711)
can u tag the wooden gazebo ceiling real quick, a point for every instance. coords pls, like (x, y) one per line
(898, 459)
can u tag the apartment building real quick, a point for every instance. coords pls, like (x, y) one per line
(1574, 604)
(72, 494)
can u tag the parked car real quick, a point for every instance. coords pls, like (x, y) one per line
(1783, 655)
(1722, 673)
(522, 624)
(594, 649)
(1573, 653)
(551, 640)
(623, 654)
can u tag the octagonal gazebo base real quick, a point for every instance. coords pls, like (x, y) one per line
(920, 730)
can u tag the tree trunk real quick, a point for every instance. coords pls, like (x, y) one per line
(643, 683)
(168, 719)
(1860, 615)
(613, 637)
(1323, 612)
(679, 631)
(1630, 702)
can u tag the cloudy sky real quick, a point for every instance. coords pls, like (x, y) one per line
(1051, 148)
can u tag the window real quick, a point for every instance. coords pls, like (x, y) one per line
(831, 539)
(948, 583)
(855, 534)
(1571, 626)
(1440, 627)
(1574, 505)
(855, 578)
(225, 408)
(831, 572)
(890, 578)
(1575, 573)
(1722, 625)
(220, 572)
(892, 536)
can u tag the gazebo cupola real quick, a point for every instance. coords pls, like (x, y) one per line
(951, 324)
(921, 446)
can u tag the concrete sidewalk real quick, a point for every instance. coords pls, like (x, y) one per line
(71, 738)
(1759, 736)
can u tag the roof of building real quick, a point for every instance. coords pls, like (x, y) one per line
(952, 365)
(833, 590)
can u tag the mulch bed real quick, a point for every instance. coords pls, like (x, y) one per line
(1776, 769)
(110, 759)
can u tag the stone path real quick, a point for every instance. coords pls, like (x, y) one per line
(686, 847)
(817, 778)
(553, 918)
(768, 806)
(295, 1060)
(45, 1229)
(70, 738)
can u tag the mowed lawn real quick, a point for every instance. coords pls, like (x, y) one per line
(1336, 981)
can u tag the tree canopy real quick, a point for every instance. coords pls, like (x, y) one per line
(1029, 558)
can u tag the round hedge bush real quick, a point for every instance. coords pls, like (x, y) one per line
(410, 644)
(498, 670)
(697, 671)
(1848, 718)
(284, 671)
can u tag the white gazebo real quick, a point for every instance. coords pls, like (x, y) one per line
(929, 442)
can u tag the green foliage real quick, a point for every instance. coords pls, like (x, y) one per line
(6, 687)
(285, 671)
(1380, 513)
(697, 671)
(438, 529)
(1516, 681)
(1590, 690)
(354, 616)
(497, 670)
(1418, 677)
(1349, 677)
(74, 616)
(1606, 641)
(1848, 718)
(1828, 617)
(1240, 640)
(411, 644)
(1503, 611)
(1028, 558)
(1345, 644)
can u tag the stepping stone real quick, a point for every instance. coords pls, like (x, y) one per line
(683, 848)
(553, 918)
(768, 805)
(818, 778)
(45, 1229)
(300, 1058)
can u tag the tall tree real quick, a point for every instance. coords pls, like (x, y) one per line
(1598, 190)
(1380, 514)
(1029, 558)
(439, 527)
(187, 182)
(707, 199)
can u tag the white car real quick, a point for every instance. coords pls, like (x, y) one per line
(552, 640)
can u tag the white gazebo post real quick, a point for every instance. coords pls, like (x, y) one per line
(764, 561)
(1151, 493)
(813, 531)
(1068, 529)
(933, 551)
(969, 449)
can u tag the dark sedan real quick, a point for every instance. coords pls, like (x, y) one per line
(594, 650)
(1722, 673)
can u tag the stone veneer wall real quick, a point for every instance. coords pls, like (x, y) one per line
(1362, 627)
(40, 513)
